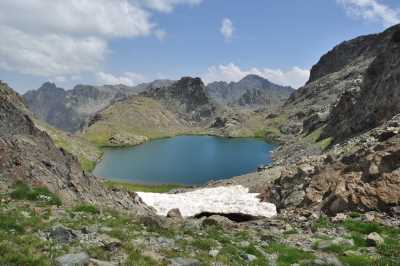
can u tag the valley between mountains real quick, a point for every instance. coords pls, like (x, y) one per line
(333, 186)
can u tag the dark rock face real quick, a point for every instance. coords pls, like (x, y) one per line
(254, 97)
(29, 155)
(345, 53)
(187, 96)
(251, 91)
(377, 99)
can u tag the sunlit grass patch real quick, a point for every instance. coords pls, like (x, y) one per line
(141, 187)
(288, 255)
(41, 194)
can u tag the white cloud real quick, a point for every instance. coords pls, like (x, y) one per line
(371, 10)
(295, 77)
(49, 54)
(128, 78)
(227, 29)
(52, 38)
(168, 5)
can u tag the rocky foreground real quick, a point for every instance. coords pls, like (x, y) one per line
(37, 230)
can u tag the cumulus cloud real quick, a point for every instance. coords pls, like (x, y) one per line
(168, 5)
(371, 10)
(49, 54)
(295, 77)
(127, 78)
(64, 38)
(227, 29)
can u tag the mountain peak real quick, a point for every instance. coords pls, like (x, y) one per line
(190, 81)
(253, 77)
(51, 87)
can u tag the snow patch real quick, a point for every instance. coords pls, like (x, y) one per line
(223, 200)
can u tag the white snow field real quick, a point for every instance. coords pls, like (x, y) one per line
(219, 200)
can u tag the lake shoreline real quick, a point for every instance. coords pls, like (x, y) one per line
(250, 153)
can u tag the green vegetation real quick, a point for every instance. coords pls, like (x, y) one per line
(204, 244)
(289, 255)
(41, 194)
(369, 227)
(355, 260)
(10, 223)
(272, 132)
(141, 187)
(315, 137)
(88, 208)
(136, 258)
(322, 222)
(87, 165)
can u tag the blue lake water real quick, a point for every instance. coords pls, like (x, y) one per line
(189, 160)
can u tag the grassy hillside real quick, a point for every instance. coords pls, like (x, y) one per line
(135, 121)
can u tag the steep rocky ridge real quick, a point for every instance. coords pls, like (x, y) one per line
(29, 155)
(188, 97)
(351, 100)
(252, 91)
(376, 99)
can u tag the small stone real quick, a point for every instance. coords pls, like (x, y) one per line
(184, 262)
(78, 259)
(244, 244)
(352, 253)
(106, 229)
(340, 217)
(374, 239)
(213, 253)
(327, 260)
(174, 214)
(153, 221)
(323, 244)
(25, 214)
(109, 243)
(216, 220)
(94, 262)
(249, 257)
(369, 217)
(62, 234)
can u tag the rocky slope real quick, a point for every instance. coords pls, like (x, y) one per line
(70, 110)
(376, 99)
(252, 91)
(187, 97)
(29, 155)
(351, 100)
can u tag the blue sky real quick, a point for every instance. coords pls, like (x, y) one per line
(132, 41)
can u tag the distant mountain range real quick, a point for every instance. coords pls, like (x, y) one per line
(252, 90)
(71, 110)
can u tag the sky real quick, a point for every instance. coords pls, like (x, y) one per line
(128, 42)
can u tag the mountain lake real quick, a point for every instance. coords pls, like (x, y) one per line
(187, 160)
